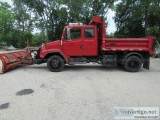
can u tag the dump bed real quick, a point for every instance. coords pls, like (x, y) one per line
(128, 44)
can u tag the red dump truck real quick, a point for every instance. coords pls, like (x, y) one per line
(82, 44)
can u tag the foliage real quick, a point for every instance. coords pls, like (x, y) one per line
(18, 23)
(134, 18)
(111, 35)
(6, 22)
(39, 38)
(53, 15)
(137, 18)
(83, 10)
(12, 33)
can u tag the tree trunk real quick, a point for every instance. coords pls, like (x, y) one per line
(146, 18)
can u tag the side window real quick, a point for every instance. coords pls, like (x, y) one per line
(89, 33)
(73, 33)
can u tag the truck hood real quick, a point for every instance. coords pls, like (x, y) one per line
(53, 45)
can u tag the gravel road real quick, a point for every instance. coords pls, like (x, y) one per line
(81, 92)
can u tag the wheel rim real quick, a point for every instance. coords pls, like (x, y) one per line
(134, 64)
(55, 63)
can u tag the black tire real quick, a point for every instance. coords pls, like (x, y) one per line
(55, 63)
(133, 64)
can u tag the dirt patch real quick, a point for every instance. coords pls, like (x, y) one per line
(24, 92)
(43, 86)
(4, 106)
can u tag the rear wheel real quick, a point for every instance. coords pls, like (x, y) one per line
(55, 63)
(133, 64)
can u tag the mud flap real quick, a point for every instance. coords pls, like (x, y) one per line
(146, 63)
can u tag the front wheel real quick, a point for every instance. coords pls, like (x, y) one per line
(133, 64)
(55, 63)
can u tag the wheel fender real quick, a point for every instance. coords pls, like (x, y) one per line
(131, 54)
(58, 52)
(65, 57)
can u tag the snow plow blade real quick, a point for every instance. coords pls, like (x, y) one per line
(10, 60)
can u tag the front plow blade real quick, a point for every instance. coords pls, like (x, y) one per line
(10, 60)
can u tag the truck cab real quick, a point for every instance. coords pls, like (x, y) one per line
(80, 41)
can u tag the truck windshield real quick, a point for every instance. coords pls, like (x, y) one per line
(73, 33)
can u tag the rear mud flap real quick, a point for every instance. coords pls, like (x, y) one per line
(146, 64)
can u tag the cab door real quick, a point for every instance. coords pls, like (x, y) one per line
(72, 43)
(90, 42)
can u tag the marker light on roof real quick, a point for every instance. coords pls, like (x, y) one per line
(75, 24)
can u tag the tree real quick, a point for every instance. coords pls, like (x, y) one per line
(83, 10)
(6, 23)
(137, 18)
(52, 15)
(154, 19)
(23, 20)
(129, 20)
(48, 16)
(39, 38)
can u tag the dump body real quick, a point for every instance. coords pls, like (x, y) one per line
(128, 44)
(9, 60)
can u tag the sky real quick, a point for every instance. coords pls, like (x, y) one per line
(111, 28)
